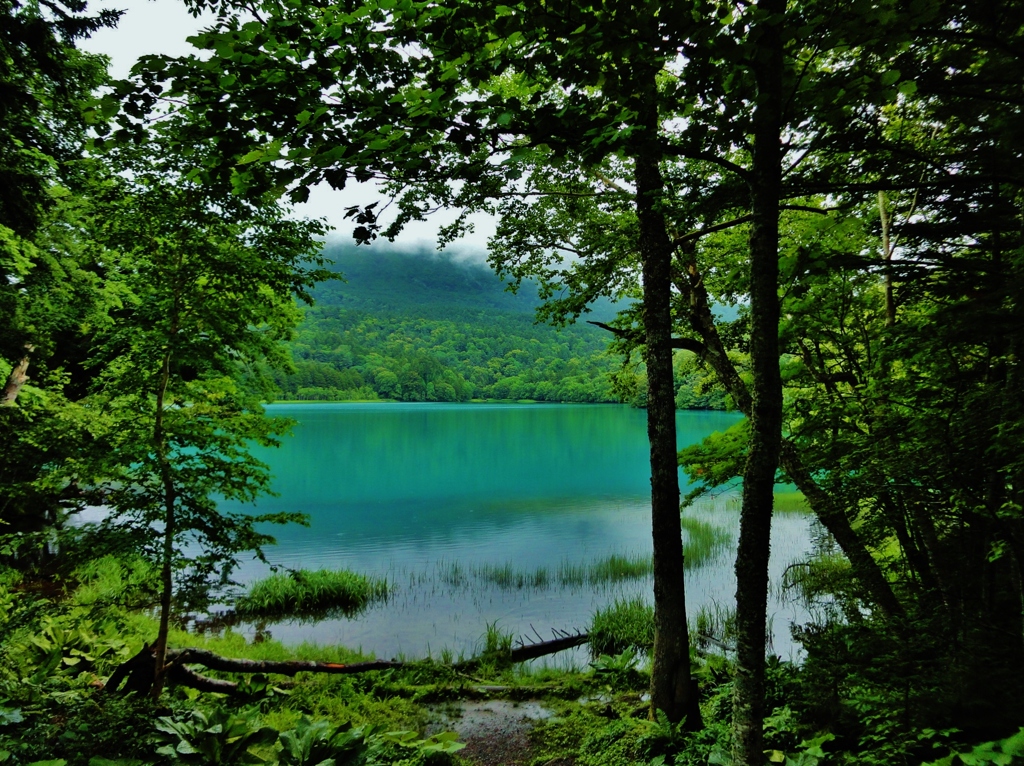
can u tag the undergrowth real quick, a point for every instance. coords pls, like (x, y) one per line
(56, 652)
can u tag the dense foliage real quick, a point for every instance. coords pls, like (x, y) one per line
(849, 174)
(423, 327)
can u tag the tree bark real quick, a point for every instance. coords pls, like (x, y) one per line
(672, 690)
(885, 218)
(766, 406)
(137, 674)
(17, 379)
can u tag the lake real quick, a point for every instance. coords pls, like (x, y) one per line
(431, 495)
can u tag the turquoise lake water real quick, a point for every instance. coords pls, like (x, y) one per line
(414, 492)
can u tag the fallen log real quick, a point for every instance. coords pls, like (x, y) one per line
(213, 661)
(137, 673)
(525, 652)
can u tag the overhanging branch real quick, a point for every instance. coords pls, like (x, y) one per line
(693, 236)
(635, 336)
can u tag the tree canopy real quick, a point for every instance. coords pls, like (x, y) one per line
(847, 176)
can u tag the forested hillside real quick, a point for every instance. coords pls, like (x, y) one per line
(425, 327)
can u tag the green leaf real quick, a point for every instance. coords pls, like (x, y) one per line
(254, 156)
(10, 715)
(889, 77)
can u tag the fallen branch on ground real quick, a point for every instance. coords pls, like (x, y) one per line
(137, 673)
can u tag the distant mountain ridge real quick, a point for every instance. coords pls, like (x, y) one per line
(427, 327)
(395, 281)
(383, 280)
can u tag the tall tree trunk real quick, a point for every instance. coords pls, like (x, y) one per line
(885, 218)
(766, 407)
(671, 688)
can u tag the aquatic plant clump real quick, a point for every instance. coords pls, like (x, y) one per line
(306, 592)
(625, 624)
(704, 542)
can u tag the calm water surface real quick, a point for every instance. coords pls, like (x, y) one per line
(410, 491)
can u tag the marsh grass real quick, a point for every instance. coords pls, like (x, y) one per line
(818, 579)
(452, 573)
(307, 592)
(614, 568)
(714, 626)
(624, 624)
(704, 541)
(507, 577)
(791, 502)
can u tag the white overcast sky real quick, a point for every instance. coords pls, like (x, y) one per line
(161, 26)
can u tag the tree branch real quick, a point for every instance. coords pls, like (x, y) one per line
(809, 209)
(137, 673)
(687, 344)
(714, 159)
(285, 668)
(693, 236)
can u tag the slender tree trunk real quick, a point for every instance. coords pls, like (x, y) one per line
(671, 688)
(885, 217)
(766, 409)
(17, 379)
(167, 556)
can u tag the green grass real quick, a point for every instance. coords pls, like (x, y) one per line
(625, 624)
(508, 577)
(614, 568)
(714, 625)
(703, 542)
(306, 593)
(453, 573)
(791, 502)
(599, 572)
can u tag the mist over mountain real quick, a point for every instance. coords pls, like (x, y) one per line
(395, 280)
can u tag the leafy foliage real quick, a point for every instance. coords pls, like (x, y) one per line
(218, 738)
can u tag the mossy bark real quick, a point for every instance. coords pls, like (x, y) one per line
(671, 687)
(766, 406)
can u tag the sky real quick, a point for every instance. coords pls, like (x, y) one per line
(161, 26)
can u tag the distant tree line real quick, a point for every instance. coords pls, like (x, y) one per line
(343, 354)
